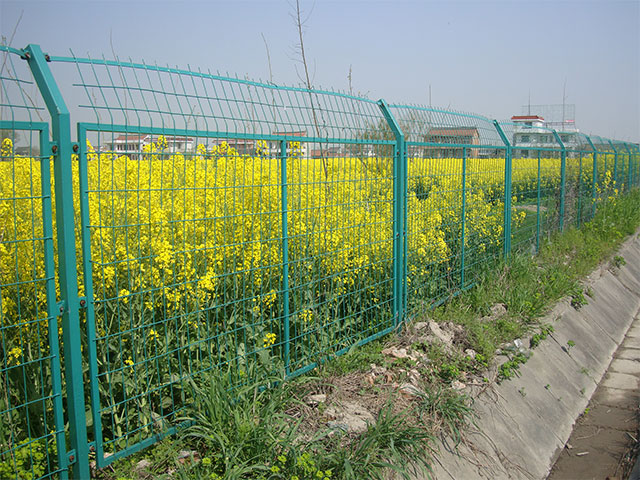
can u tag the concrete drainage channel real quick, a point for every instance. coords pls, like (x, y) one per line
(524, 423)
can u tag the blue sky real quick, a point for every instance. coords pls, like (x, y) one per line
(482, 57)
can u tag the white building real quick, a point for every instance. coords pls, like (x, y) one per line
(531, 134)
(133, 145)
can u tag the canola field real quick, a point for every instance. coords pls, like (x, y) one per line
(187, 254)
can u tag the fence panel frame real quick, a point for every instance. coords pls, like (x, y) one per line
(61, 148)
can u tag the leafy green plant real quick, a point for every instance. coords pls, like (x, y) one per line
(578, 299)
(510, 368)
(545, 331)
(618, 261)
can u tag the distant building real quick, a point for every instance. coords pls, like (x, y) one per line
(274, 145)
(133, 145)
(531, 136)
(453, 139)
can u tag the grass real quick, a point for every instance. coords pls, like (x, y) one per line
(257, 433)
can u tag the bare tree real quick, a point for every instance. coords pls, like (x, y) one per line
(297, 17)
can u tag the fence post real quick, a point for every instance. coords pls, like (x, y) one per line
(538, 197)
(615, 163)
(285, 255)
(69, 305)
(464, 214)
(563, 179)
(629, 174)
(399, 212)
(579, 208)
(594, 179)
(508, 167)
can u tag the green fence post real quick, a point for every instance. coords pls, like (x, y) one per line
(538, 198)
(594, 179)
(464, 213)
(508, 172)
(399, 207)
(579, 208)
(285, 255)
(49, 269)
(615, 163)
(563, 179)
(78, 457)
(629, 168)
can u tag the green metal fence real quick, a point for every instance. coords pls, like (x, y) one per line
(32, 440)
(220, 222)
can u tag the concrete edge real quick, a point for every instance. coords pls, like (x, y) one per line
(524, 423)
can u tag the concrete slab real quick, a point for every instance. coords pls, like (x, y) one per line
(631, 342)
(634, 332)
(621, 381)
(616, 398)
(628, 353)
(523, 423)
(621, 365)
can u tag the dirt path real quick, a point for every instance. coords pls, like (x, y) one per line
(604, 439)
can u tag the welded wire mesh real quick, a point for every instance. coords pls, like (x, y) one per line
(227, 223)
(31, 424)
(455, 200)
(231, 224)
(536, 182)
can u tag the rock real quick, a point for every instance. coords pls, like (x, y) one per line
(419, 326)
(188, 456)
(498, 310)
(350, 417)
(395, 352)
(440, 334)
(314, 400)
(142, 465)
(458, 385)
(410, 390)
(470, 353)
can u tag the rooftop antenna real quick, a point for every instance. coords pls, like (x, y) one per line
(564, 101)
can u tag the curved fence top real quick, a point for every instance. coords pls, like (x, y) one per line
(530, 134)
(200, 102)
(428, 126)
(622, 147)
(602, 144)
(20, 100)
(575, 141)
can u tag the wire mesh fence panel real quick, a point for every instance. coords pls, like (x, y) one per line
(579, 191)
(31, 422)
(536, 181)
(240, 228)
(607, 166)
(455, 200)
(226, 224)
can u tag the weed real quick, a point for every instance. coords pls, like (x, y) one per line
(522, 392)
(571, 344)
(448, 408)
(545, 331)
(449, 372)
(578, 299)
(510, 368)
(618, 261)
